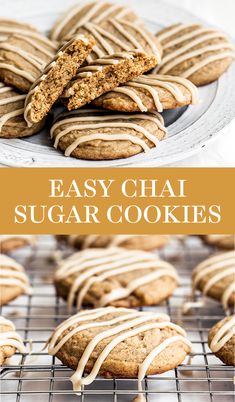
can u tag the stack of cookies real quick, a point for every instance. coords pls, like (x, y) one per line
(112, 74)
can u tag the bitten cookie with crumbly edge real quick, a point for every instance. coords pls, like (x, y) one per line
(221, 241)
(22, 59)
(191, 51)
(12, 122)
(56, 75)
(10, 243)
(115, 277)
(112, 342)
(93, 11)
(13, 280)
(10, 341)
(102, 75)
(221, 340)
(100, 135)
(150, 92)
(214, 277)
(130, 242)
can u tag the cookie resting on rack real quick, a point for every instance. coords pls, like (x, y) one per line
(116, 277)
(221, 340)
(201, 54)
(113, 342)
(13, 280)
(98, 135)
(91, 11)
(10, 341)
(131, 242)
(10, 243)
(150, 92)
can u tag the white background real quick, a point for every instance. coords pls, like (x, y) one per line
(219, 153)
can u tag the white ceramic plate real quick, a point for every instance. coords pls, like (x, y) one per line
(190, 129)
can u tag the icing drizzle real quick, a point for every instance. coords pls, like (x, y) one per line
(223, 335)
(151, 84)
(218, 267)
(179, 47)
(8, 116)
(10, 337)
(76, 121)
(12, 274)
(96, 265)
(126, 324)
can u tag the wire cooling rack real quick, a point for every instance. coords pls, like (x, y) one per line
(40, 377)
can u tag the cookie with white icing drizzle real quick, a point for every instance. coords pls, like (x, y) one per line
(214, 277)
(22, 59)
(105, 74)
(221, 241)
(10, 243)
(47, 89)
(10, 27)
(99, 135)
(115, 36)
(12, 122)
(150, 92)
(13, 280)
(113, 342)
(10, 341)
(115, 277)
(92, 11)
(221, 340)
(201, 54)
(130, 242)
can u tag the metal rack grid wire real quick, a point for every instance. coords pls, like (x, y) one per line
(41, 377)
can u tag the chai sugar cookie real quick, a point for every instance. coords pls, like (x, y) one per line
(150, 92)
(12, 122)
(54, 78)
(97, 135)
(93, 11)
(130, 242)
(105, 74)
(201, 54)
(115, 36)
(13, 280)
(10, 243)
(10, 341)
(214, 277)
(22, 59)
(118, 343)
(116, 277)
(221, 241)
(10, 27)
(221, 340)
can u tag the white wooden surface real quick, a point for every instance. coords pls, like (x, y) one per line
(220, 152)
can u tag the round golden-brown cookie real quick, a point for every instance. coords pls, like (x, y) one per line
(131, 242)
(201, 54)
(10, 27)
(10, 341)
(12, 122)
(61, 69)
(13, 280)
(116, 277)
(221, 340)
(22, 59)
(221, 241)
(150, 92)
(92, 11)
(103, 75)
(99, 135)
(214, 277)
(117, 36)
(10, 243)
(112, 342)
